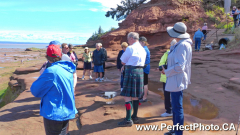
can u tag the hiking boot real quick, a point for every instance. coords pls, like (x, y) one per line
(166, 114)
(135, 120)
(170, 133)
(125, 123)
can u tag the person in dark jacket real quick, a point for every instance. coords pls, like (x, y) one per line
(72, 55)
(119, 63)
(105, 52)
(55, 88)
(98, 60)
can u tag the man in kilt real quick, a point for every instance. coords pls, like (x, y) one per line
(133, 59)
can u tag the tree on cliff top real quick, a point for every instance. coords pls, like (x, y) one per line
(122, 11)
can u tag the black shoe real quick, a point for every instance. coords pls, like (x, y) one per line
(125, 123)
(171, 132)
(135, 120)
(141, 101)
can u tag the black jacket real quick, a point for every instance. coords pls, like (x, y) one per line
(119, 63)
(105, 52)
(99, 57)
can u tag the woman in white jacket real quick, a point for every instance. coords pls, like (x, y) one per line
(178, 72)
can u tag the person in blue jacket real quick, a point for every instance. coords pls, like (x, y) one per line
(198, 38)
(119, 63)
(146, 70)
(55, 88)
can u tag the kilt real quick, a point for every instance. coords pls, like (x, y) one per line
(133, 82)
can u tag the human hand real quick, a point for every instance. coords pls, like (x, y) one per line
(163, 71)
(122, 69)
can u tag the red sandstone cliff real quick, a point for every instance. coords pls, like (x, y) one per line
(152, 19)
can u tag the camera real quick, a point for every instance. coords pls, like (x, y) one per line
(160, 67)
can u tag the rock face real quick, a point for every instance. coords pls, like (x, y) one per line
(152, 19)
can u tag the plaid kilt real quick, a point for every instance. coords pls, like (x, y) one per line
(133, 82)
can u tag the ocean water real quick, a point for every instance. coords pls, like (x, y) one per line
(22, 45)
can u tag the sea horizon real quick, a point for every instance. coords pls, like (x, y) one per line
(25, 44)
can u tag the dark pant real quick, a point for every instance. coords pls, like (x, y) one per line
(167, 100)
(177, 108)
(122, 78)
(103, 71)
(235, 23)
(53, 127)
(197, 43)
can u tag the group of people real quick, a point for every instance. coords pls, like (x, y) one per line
(56, 84)
(199, 36)
(236, 16)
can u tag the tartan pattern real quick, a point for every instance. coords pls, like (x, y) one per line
(133, 82)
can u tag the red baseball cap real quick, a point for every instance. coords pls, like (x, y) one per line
(54, 51)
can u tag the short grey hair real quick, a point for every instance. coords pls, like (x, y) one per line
(133, 35)
(100, 44)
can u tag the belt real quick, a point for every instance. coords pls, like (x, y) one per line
(134, 66)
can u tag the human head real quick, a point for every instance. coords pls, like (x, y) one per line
(174, 41)
(98, 46)
(54, 53)
(179, 30)
(234, 7)
(132, 37)
(86, 50)
(205, 24)
(143, 41)
(124, 46)
(70, 46)
(65, 48)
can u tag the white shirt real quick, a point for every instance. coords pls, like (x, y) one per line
(135, 55)
(179, 66)
(65, 57)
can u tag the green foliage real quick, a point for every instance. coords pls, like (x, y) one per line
(122, 11)
(97, 36)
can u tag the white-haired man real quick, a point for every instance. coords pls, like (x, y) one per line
(133, 60)
(98, 60)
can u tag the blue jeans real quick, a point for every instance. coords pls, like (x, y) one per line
(167, 100)
(197, 43)
(205, 36)
(177, 108)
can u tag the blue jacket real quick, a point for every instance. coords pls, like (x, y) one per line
(119, 62)
(198, 34)
(99, 57)
(147, 69)
(55, 88)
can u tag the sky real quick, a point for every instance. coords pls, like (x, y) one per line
(71, 21)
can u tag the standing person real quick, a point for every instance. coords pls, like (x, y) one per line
(55, 88)
(119, 63)
(72, 55)
(234, 13)
(98, 60)
(178, 72)
(238, 12)
(87, 58)
(198, 38)
(133, 60)
(204, 30)
(146, 70)
(65, 57)
(163, 79)
(105, 52)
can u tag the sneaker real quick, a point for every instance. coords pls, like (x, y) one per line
(166, 114)
(83, 78)
(135, 120)
(90, 77)
(101, 80)
(141, 100)
(97, 80)
(125, 123)
(171, 132)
